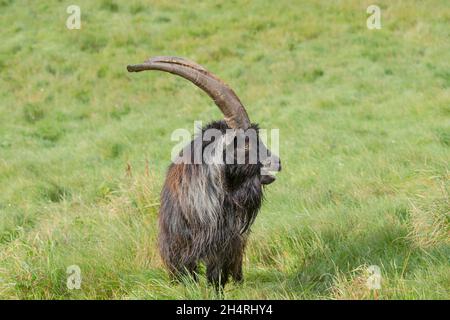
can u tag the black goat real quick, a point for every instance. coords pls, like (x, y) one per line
(207, 209)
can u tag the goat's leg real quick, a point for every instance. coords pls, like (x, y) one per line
(179, 271)
(191, 269)
(179, 265)
(236, 258)
(217, 274)
(236, 268)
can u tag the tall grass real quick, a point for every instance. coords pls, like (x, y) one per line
(364, 124)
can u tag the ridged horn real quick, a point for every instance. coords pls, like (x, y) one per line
(224, 97)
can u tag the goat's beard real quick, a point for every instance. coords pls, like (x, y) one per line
(267, 179)
(205, 200)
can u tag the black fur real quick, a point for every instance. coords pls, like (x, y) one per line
(206, 214)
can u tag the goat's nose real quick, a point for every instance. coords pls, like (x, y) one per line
(275, 163)
(278, 165)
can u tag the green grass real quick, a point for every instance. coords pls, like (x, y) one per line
(364, 118)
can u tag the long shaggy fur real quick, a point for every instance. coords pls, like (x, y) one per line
(206, 213)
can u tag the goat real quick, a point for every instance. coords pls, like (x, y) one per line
(207, 209)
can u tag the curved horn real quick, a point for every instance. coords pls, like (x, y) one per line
(228, 102)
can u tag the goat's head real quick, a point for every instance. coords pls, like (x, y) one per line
(259, 162)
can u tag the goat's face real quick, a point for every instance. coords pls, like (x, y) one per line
(247, 157)
(270, 164)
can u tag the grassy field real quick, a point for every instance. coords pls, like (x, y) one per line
(364, 118)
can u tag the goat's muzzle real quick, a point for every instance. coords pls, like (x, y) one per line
(271, 166)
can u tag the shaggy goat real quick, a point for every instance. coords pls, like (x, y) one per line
(207, 208)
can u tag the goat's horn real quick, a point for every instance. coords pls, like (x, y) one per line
(228, 102)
